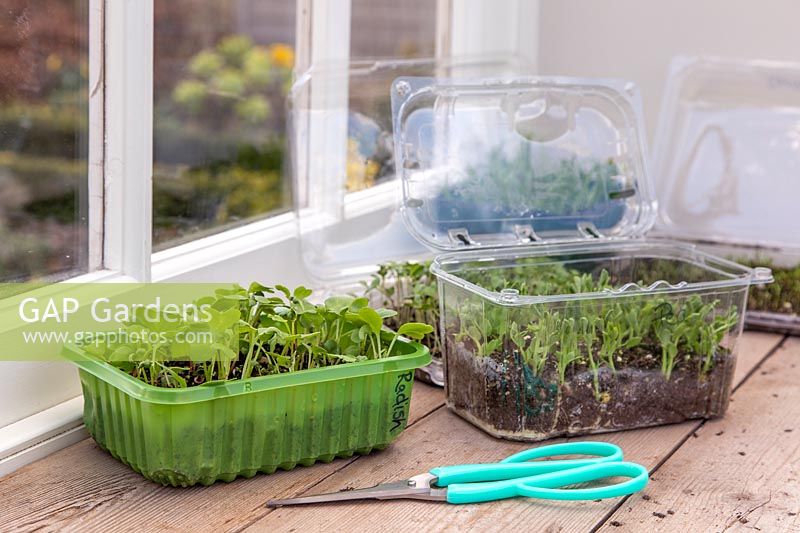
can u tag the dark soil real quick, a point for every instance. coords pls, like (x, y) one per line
(500, 394)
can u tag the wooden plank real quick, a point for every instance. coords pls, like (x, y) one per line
(443, 438)
(742, 471)
(82, 488)
(753, 347)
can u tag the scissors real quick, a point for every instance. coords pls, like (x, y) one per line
(517, 475)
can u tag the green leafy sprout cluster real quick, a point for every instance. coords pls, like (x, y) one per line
(278, 331)
(411, 290)
(781, 296)
(658, 331)
(518, 185)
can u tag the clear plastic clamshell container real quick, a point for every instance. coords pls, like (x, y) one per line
(727, 172)
(558, 317)
(346, 190)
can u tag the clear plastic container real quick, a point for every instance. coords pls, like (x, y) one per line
(527, 361)
(558, 316)
(347, 193)
(727, 168)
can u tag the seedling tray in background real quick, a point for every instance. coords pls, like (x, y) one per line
(219, 431)
(726, 166)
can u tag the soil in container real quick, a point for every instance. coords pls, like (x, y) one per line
(501, 394)
(506, 399)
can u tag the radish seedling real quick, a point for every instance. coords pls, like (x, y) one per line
(277, 331)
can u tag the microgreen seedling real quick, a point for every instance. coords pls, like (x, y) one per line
(411, 291)
(279, 330)
(607, 333)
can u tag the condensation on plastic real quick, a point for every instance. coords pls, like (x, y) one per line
(499, 391)
(452, 137)
(220, 431)
(343, 162)
(482, 161)
(727, 162)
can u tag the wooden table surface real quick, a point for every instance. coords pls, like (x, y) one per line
(740, 472)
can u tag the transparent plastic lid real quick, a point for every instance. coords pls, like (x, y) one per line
(727, 153)
(505, 163)
(346, 195)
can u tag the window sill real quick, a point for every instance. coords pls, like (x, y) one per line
(39, 435)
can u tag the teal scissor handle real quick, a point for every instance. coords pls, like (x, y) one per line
(520, 465)
(547, 486)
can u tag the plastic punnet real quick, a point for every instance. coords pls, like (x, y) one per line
(222, 430)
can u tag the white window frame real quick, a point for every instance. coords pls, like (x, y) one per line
(120, 170)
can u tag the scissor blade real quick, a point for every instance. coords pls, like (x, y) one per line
(417, 488)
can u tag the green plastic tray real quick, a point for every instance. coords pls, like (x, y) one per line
(203, 434)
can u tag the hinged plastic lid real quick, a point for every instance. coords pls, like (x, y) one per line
(727, 152)
(346, 196)
(505, 163)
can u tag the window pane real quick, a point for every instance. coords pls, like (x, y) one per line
(393, 28)
(222, 72)
(44, 66)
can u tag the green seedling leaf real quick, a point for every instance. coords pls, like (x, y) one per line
(301, 293)
(223, 304)
(121, 353)
(270, 332)
(371, 318)
(284, 290)
(338, 304)
(358, 303)
(302, 307)
(268, 300)
(352, 350)
(257, 287)
(235, 297)
(283, 360)
(386, 313)
(329, 345)
(312, 320)
(223, 350)
(205, 300)
(236, 289)
(178, 380)
(221, 321)
(282, 310)
(245, 326)
(415, 330)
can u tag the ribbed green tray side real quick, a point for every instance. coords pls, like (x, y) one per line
(222, 438)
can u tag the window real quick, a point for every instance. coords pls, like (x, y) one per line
(392, 28)
(44, 71)
(221, 74)
(75, 193)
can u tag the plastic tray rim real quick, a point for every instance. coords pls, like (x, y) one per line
(416, 356)
(741, 276)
